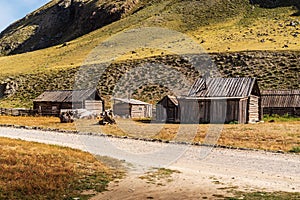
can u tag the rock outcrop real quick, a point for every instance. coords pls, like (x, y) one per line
(61, 21)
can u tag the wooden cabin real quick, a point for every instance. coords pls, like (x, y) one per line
(219, 100)
(167, 110)
(131, 108)
(281, 102)
(52, 102)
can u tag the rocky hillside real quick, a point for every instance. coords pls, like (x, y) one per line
(257, 38)
(272, 69)
(61, 21)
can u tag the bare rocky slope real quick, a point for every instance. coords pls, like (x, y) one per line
(61, 21)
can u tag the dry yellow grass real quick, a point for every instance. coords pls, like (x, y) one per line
(44, 122)
(36, 171)
(265, 33)
(268, 136)
(232, 34)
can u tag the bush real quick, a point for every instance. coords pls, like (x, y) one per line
(295, 149)
(278, 118)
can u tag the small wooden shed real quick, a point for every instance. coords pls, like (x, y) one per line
(167, 110)
(281, 102)
(219, 100)
(131, 108)
(52, 102)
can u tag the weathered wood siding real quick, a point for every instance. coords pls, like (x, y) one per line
(51, 102)
(93, 105)
(121, 109)
(189, 111)
(148, 111)
(53, 108)
(138, 111)
(253, 110)
(167, 111)
(281, 102)
(243, 111)
(213, 111)
(133, 111)
(49, 108)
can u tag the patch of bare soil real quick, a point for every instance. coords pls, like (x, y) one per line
(182, 186)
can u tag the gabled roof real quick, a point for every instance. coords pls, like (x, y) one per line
(131, 101)
(173, 99)
(222, 87)
(66, 95)
(281, 98)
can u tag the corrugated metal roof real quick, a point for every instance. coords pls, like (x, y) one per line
(131, 101)
(222, 87)
(65, 95)
(281, 98)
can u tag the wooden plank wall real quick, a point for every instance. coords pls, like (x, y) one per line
(93, 105)
(161, 110)
(161, 113)
(138, 111)
(47, 108)
(253, 109)
(121, 109)
(190, 111)
(243, 111)
(148, 111)
(213, 111)
(218, 111)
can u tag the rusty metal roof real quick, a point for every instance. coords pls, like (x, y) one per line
(65, 95)
(222, 87)
(281, 98)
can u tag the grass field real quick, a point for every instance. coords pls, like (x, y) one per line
(280, 135)
(36, 171)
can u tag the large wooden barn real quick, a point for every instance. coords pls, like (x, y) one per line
(131, 108)
(52, 102)
(281, 102)
(219, 100)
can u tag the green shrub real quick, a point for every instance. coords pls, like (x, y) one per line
(295, 149)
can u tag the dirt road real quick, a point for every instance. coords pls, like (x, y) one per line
(205, 172)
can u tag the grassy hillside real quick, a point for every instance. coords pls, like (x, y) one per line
(220, 27)
(217, 25)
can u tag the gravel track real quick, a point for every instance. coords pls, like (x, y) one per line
(247, 170)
